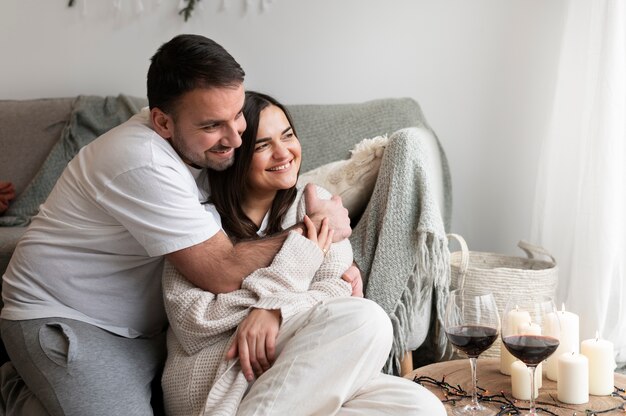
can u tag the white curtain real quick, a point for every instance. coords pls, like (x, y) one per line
(580, 203)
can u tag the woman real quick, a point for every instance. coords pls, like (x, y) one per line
(330, 347)
(257, 196)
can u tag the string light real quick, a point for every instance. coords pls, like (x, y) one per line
(508, 407)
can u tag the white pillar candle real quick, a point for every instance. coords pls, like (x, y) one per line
(601, 365)
(506, 359)
(529, 328)
(564, 326)
(515, 318)
(520, 381)
(532, 328)
(573, 384)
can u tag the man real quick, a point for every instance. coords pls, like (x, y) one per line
(83, 318)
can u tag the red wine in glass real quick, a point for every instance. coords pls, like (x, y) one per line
(527, 321)
(473, 340)
(472, 324)
(531, 349)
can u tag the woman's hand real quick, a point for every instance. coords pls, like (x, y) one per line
(325, 236)
(255, 342)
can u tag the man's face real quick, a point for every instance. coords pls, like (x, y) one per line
(207, 126)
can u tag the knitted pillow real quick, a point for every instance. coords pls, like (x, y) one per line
(352, 179)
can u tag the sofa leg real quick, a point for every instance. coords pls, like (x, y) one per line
(406, 365)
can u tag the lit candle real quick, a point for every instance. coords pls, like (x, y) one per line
(515, 318)
(564, 326)
(520, 381)
(601, 365)
(573, 384)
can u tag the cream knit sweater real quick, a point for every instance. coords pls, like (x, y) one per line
(197, 380)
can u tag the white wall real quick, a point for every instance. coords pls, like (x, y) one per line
(482, 70)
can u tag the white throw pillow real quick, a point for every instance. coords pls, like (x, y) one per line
(352, 179)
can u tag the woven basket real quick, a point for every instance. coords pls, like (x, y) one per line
(503, 275)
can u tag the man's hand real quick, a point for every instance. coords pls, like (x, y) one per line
(353, 276)
(333, 209)
(256, 342)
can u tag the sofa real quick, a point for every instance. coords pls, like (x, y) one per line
(30, 131)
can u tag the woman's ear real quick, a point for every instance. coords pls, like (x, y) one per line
(162, 123)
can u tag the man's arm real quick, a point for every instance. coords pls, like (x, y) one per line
(218, 266)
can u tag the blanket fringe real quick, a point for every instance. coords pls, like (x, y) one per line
(431, 271)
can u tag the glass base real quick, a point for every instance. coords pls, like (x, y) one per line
(471, 410)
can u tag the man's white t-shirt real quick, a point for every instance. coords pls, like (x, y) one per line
(95, 250)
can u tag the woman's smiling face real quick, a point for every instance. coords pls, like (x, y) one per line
(277, 154)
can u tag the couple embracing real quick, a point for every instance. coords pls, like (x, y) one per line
(257, 273)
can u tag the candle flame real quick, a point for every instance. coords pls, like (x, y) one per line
(597, 335)
(563, 307)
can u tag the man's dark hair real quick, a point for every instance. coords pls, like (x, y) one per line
(228, 186)
(188, 62)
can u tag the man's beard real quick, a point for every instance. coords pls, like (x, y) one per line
(200, 160)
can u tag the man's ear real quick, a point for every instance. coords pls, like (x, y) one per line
(162, 123)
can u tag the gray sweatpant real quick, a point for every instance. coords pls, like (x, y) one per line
(74, 368)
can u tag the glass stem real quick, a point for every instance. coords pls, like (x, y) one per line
(474, 389)
(531, 369)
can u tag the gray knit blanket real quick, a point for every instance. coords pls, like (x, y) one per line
(91, 117)
(400, 245)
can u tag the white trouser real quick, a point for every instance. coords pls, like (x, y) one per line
(329, 362)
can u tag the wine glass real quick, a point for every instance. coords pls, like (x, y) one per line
(530, 332)
(472, 325)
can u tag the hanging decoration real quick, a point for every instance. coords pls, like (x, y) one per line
(185, 7)
(186, 10)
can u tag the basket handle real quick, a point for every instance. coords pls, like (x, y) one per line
(464, 256)
(531, 250)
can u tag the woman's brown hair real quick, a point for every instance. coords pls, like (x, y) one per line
(228, 186)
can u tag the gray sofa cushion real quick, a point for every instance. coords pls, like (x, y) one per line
(328, 132)
(28, 130)
(91, 117)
